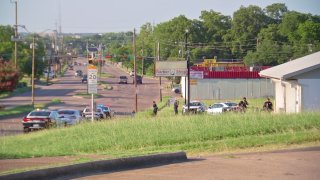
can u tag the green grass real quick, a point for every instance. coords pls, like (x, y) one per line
(86, 95)
(107, 75)
(165, 133)
(27, 108)
(15, 92)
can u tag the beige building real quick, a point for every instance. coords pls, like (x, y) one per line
(297, 84)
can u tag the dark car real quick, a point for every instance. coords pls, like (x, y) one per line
(40, 119)
(123, 80)
(84, 79)
(139, 79)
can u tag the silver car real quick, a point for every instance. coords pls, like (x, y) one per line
(69, 116)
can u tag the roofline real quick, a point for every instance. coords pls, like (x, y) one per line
(287, 76)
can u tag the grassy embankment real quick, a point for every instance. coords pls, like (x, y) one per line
(144, 134)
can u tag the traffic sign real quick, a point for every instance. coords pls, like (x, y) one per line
(92, 80)
(92, 76)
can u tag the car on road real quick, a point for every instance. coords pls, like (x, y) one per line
(131, 73)
(70, 116)
(84, 79)
(139, 79)
(52, 74)
(123, 80)
(40, 119)
(97, 114)
(222, 107)
(106, 110)
(78, 73)
(194, 107)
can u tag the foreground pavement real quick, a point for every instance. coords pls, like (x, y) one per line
(302, 163)
(287, 164)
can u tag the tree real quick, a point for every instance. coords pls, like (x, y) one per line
(247, 23)
(6, 45)
(276, 11)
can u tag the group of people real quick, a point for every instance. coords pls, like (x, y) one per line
(175, 107)
(267, 105)
(243, 105)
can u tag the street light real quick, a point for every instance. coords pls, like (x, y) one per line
(33, 62)
(15, 32)
(188, 76)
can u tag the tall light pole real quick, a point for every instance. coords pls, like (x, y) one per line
(188, 66)
(32, 75)
(15, 33)
(135, 69)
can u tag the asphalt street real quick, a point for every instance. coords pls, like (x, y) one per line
(121, 98)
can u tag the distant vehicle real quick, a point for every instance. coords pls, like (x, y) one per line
(106, 110)
(123, 80)
(222, 107)
(176, 90)
(71, 68)
(70, 116)
(40, 119)
(78, 73)
(97, 114)
(52, 74)
(84, 79)
(194, 107)
(139, 79)
(131, 73)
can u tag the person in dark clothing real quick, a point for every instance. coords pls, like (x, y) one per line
(243, 105)
(175, 106)
(268, 106)
(155, 108)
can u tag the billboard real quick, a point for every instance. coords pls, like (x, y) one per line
(171, 68)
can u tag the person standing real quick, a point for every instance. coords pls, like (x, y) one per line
(176, 106)
(155, 108)
(268, 106)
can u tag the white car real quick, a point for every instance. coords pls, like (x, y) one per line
(52, 74)
(222, 107)
(98, 114)
(194, 106)
(131, 73)
(70, 116)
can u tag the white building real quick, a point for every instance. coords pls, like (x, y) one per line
(297, 84)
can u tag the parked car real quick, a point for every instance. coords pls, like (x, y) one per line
(40, 119)
(123, 80)
(106, 110)
(70, 116)
(78, 73)
(52, 74)
(84, 79)
(194, 107)
(222, 107)
(139, 79)
(131, 73)
(98, 113)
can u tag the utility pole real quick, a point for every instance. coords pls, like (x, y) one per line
(135, 69)
(32, 75)
(16, 35)
(142, 55)
(160, 76)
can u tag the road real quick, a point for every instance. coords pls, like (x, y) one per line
(285, 165)
(121, 98)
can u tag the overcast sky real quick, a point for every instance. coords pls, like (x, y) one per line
(100, 16)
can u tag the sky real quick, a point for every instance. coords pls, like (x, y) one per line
(100, 16)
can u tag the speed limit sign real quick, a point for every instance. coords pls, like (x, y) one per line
(92, 80)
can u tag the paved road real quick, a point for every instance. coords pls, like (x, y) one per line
(285, 165)
(121, 98)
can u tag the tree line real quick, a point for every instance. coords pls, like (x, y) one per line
(259, 36)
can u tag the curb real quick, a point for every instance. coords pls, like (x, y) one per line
(103, 166)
